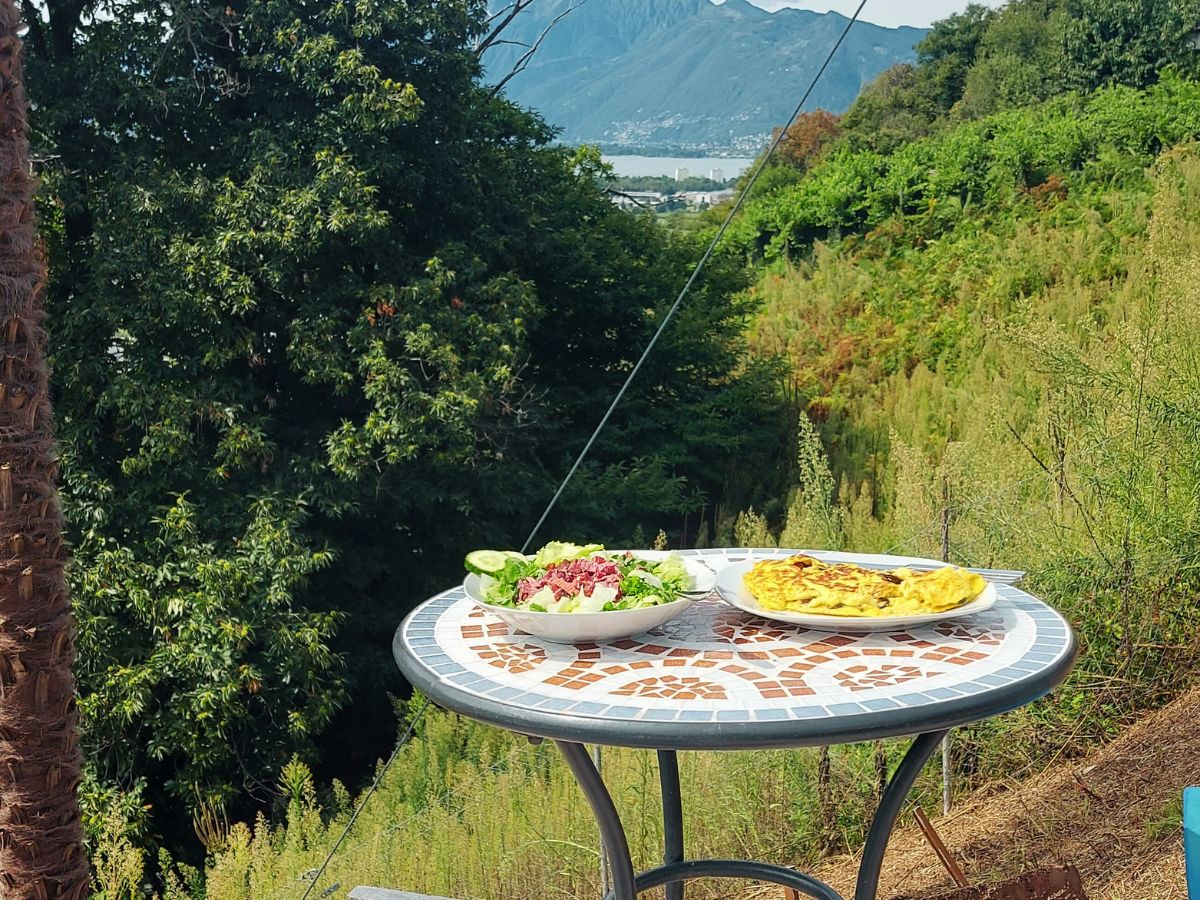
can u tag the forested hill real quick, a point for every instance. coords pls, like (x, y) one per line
(685, 74)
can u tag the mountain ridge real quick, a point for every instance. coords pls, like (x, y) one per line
(686, 75)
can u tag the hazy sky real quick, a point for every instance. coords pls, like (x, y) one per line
(883, 12)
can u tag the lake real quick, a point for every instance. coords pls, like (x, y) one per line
(666, 165)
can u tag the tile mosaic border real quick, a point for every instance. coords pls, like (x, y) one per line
(1035, 641)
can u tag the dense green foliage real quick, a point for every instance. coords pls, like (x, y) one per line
(1027, 371)
(906, 100)
(989, 318)
(979, 163)
(983, 61)
(203, 653)
(1129, 42)
(327, 313)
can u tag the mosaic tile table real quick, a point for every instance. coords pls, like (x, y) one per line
(718, 678)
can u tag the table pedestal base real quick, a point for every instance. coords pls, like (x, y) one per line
(675, 870)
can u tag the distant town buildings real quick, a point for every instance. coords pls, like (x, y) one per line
(681, 174)
(717, 175)
(658, 202)
(706, 198)
(638, 199)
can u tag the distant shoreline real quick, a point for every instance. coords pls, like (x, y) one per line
(635, 164)
(678, 152)
(751, 150)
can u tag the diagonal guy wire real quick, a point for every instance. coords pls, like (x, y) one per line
(608, 414)
(712, 246)
(412, 727)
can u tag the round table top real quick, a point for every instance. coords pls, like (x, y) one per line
(719, 678)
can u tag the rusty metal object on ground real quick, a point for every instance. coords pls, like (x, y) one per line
(1061, 883)
(949, 863)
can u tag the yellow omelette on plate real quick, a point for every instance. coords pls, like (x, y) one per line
(806, 585)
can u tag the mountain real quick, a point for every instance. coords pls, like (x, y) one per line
(685, 75)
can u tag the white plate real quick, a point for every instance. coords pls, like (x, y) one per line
(732, 589)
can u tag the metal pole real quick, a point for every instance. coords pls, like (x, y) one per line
(611, 832)
(605, 874)
(672, 803)
(923, 747)
(947, 776)
(947, 787)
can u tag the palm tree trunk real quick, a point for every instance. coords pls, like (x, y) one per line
(41, 849)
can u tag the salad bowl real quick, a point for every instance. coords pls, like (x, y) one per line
(577, 628)
(569, 593)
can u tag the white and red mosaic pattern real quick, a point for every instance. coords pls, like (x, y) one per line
(717, 662)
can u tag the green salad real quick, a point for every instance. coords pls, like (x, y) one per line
(573, 578)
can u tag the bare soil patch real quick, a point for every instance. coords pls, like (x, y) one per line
(1112, 814)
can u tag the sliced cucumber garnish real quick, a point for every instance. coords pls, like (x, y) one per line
(486, 562)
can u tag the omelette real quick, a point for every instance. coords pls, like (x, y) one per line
(806, 585)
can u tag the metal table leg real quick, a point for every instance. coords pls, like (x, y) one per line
(611, 832)
(923, 747)
(672, 874)
(672, 803)
(675, 870)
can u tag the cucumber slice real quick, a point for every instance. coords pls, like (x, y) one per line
(485, 562)
(513, 554)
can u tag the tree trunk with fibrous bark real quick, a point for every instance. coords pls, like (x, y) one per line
(41, 842)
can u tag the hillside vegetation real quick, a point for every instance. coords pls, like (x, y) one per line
(990, 323)
(1028, 371)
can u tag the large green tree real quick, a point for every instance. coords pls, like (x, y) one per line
(981, 61)
(1129, 41)
(329, 312)
(1019, 60)
(906, 101)
(946, 54)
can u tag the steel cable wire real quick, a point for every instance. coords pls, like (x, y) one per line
(699, 267)
(444, 797)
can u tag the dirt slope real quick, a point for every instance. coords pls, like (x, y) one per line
(1099, 813)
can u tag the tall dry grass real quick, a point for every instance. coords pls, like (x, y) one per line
(471, 812)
